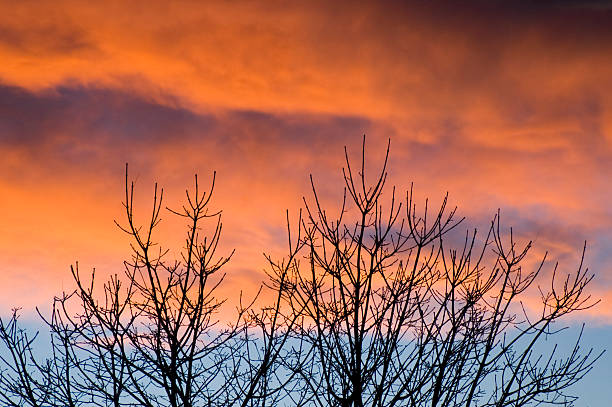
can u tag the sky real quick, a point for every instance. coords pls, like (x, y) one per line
(501, 104)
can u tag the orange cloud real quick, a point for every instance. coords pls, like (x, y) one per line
(502, 107)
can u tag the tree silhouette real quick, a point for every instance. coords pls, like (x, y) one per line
(374, 307)
(150, 338)
(393, 316)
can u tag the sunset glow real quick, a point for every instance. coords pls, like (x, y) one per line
(502, 105)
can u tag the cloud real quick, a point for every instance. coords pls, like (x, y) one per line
(386, 59)
(502, 104)
(62, 176)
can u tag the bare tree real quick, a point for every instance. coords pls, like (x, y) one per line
(393, 316)
(373, 307)
(150, 338)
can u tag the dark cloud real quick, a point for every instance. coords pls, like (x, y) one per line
(97, 128)
(82, 114)
(51, 38)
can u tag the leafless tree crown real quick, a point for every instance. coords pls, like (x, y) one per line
(372, 307)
